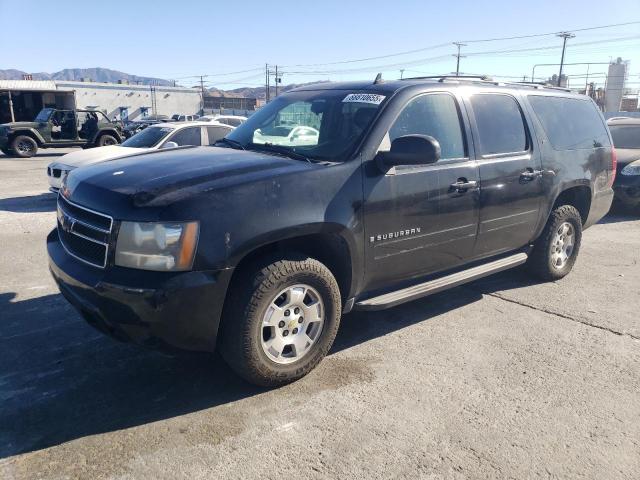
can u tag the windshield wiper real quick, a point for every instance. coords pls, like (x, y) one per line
(231, 143)
(270, 147)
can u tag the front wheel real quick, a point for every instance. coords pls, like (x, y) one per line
(24, 146)
(280, 320)
(556, 250)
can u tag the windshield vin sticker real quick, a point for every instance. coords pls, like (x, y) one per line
(373, 98)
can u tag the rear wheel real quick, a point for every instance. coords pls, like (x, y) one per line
(280, 320)
(24, 146)
(106, 140)
(555, 252)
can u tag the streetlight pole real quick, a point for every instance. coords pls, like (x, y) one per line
(564, 36)
(459, 45)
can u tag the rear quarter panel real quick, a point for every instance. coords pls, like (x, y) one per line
(564, 169)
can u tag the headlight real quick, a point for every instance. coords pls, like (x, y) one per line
(167, 247)
(632, 169)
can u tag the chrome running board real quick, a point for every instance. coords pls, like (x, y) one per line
(408, 294)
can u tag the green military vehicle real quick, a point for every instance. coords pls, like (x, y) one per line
(58, 128)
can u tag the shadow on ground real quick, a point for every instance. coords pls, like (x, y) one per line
(41, 154)
(61, 380)
(621, 213)
(45, 202)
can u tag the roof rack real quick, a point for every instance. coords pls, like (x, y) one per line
(539, 85)
(442, 78)
(487, 79)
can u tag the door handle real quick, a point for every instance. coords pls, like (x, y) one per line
(462, 185)
(530, 174)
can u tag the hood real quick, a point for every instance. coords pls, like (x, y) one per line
(97, 155)
(627, 155)
(163, 177)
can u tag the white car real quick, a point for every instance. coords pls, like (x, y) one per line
(154, 137)
(233, 120)
(184, 118)
(296, 135)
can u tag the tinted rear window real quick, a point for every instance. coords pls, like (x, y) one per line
(500, 124)
(625, 136)
(570, 123)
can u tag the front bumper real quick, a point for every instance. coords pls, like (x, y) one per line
(627, 189)
(158, 309)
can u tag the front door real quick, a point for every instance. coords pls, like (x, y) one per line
(63, 124)
(417, 221)
(510, 174)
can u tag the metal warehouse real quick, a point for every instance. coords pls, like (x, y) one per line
(21, 100)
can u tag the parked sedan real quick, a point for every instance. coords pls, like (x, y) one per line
(287, 135)
(626, 139)
(233, 120)
(154, 137)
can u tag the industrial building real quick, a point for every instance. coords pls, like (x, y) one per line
(21, 100)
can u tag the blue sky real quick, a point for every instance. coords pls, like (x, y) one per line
(173, 40)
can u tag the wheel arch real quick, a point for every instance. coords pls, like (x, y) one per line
(326, 243)
(29, 132)
(578, 195)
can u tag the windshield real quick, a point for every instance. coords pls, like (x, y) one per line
(147, 138)
(44, 115)
(323, 124)
(626, 136)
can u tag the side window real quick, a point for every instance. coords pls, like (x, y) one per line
(435, 115)
(187, 136)
(216, 133)
(500, 124)
(570, 123)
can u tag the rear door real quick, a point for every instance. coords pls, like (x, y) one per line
(189, 136)
(416, 220)
(510, 174)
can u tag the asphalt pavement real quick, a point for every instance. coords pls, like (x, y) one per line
(503, 378)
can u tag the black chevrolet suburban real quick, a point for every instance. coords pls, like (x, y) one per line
(332, 197)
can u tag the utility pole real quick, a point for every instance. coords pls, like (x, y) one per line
(401, 73)
(266, 83)
(459, 45)
(277, 80)
(564, 36)
(202, 94)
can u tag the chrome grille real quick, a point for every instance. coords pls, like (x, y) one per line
(84, 233)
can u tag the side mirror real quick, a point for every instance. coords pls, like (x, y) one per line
(410, 150)
(170, 145)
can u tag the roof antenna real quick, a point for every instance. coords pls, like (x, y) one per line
(378, 79)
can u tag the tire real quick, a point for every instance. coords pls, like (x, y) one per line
(273, 291)
(24, 146)
(106, 139)
(556, 250)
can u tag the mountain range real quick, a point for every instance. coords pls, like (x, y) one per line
(95, 74)
(102, 75)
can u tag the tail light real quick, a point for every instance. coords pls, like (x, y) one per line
(614, 166)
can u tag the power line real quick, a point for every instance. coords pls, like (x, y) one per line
(553, 33)
(442, 45)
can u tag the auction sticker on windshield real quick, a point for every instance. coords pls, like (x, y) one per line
(373, 98)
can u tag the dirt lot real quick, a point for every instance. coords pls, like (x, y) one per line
(503, 378)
